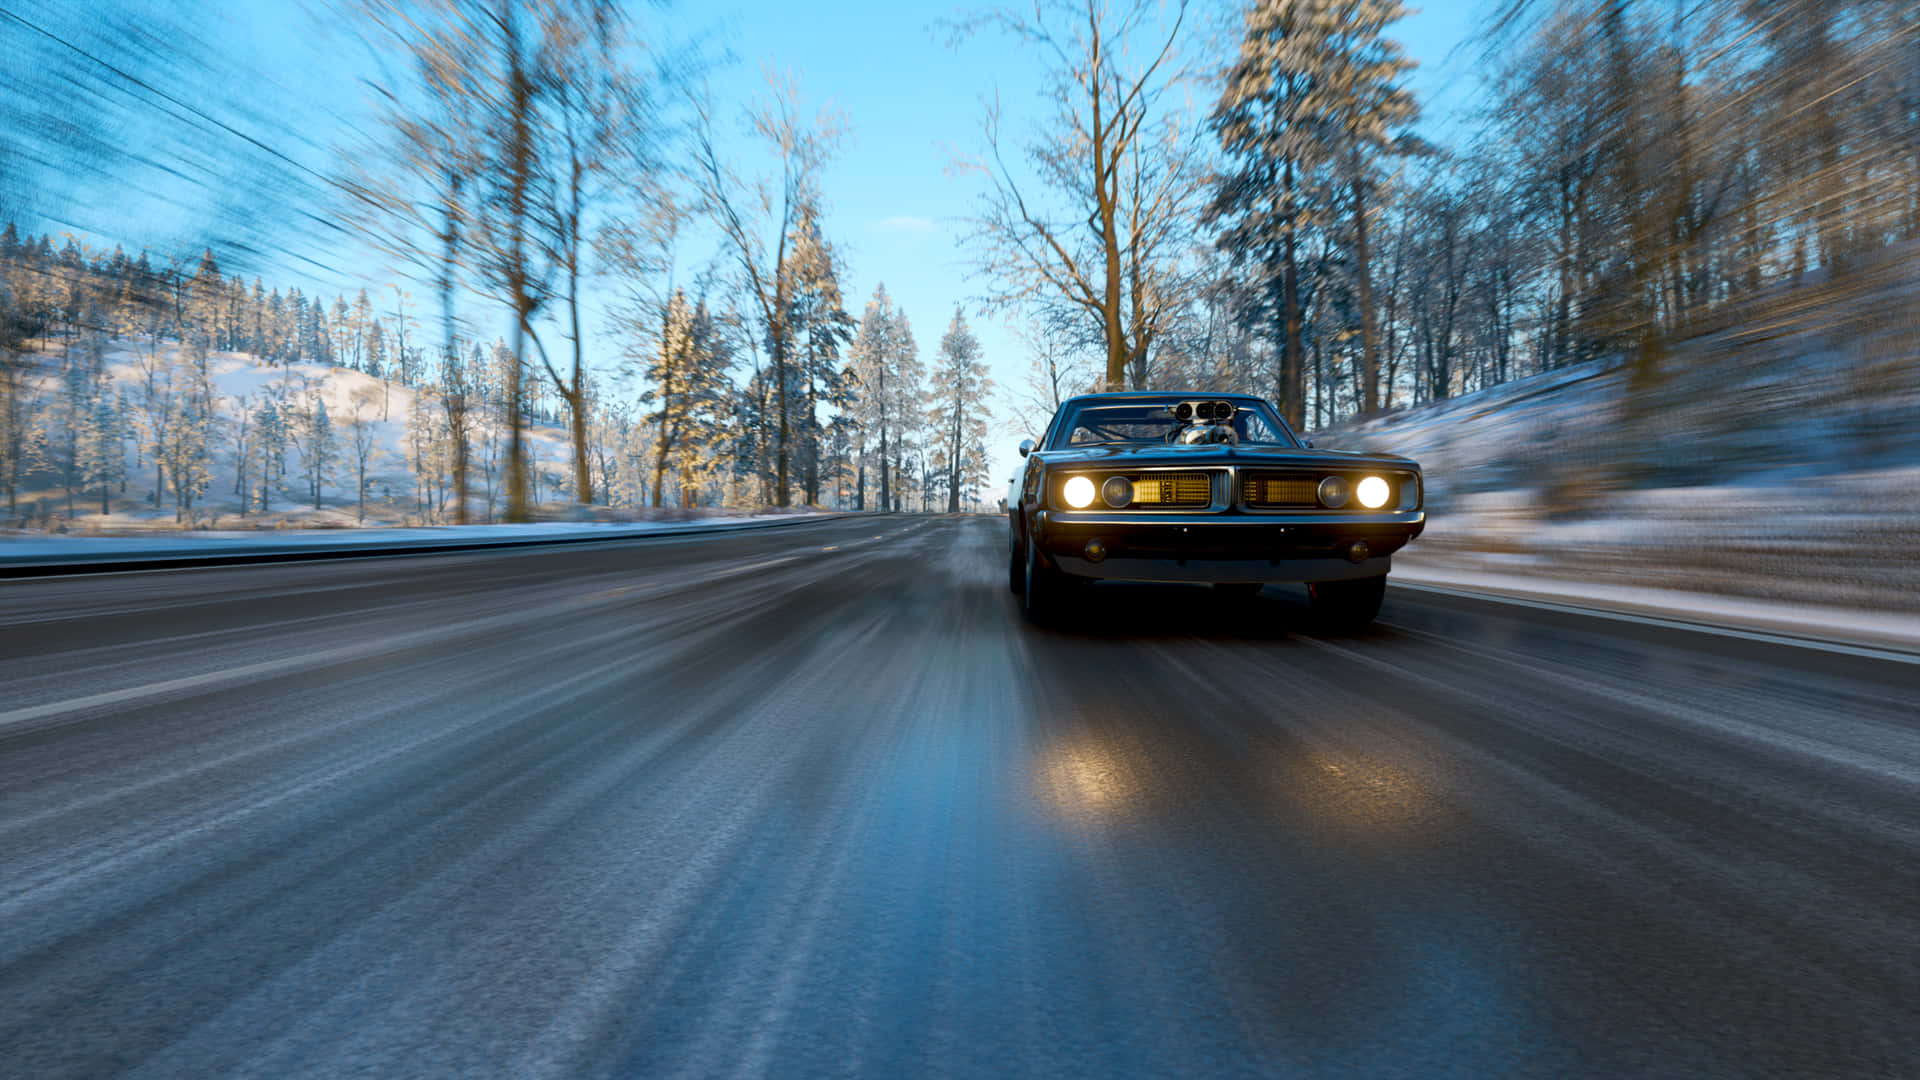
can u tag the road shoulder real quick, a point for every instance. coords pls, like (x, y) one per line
(1881, 631)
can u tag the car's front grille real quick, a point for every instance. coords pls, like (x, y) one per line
(1172, 489)
(1264, 490)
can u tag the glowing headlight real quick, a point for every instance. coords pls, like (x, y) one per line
(1117, 491)
(1334, 492)
(1372, 493)
(1078, 491)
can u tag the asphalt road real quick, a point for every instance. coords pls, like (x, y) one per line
(815, 801)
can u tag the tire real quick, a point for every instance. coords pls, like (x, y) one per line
(1016, 570)
(1045, 588)
(1346, 606)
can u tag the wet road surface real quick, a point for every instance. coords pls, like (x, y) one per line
(814, 801)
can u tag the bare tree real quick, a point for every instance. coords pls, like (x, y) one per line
(1096, 213)
(365, 440)
(600, 147)
(747, 212)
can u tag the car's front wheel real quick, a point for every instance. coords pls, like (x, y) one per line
(1044, 588)
(1016, 569)
(1346, 606)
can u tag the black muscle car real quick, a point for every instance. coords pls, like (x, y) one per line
(1171, 487)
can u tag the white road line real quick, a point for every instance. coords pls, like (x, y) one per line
(31, 713)
(1674, 624)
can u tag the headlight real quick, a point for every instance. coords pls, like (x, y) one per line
(1117, 491)
(1334, 492)
(1372, 492)
(1078, 491)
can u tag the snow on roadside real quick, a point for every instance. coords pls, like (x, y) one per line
(243, 380)
(36, 549)
(1781, 466)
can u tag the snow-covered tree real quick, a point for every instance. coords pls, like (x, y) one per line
(364, 441)
(318, 445)
(273, 433)
(957, 410)
(193, 432)
(821, 326)
(103, 451)
(688, 377)
(888, 375)
(1313, 90)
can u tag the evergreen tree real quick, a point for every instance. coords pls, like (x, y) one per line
(957, 412)
(1313, 88)
(206, 301)
(689, 379)
(104, 450)
(65, 433)
(317, 444)
(271, 439)
(193, 429)
(820, 326)
(908, 375)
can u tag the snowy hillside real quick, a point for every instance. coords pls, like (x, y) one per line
(312, 480)
(1778, 455)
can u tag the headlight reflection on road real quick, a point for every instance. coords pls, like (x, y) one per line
(1088, 779)
(1362, 799)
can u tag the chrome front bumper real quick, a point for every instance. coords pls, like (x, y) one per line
(1223, 547)
(1222, 570)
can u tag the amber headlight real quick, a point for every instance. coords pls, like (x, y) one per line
(1372, 492)
(1078, 491)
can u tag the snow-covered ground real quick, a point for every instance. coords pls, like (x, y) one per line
(40, 550)
(242, 383)
(1780, 465)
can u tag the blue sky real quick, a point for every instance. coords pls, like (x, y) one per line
(895, 209)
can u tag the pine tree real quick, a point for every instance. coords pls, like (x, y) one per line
(64, 440)
(876, 369)
(1311, 90)
(270, 424)
(104, 451)
(318, 446)
(689, 381)
(206, 297)
(958, 414)
(820, 326)
(908, 400)
(193, 430)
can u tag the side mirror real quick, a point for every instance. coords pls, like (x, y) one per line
(1308, 443)
(1026, 447)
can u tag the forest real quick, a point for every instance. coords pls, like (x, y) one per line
(1240, 197)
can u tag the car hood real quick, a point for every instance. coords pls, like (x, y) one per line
(1134, 456)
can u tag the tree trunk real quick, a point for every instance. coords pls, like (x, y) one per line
(520, 150)
(780, 496)
(886, 463)
(953, 463)
(1369, 360)
(1292, 364)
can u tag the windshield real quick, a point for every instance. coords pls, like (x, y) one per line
(1152, 423)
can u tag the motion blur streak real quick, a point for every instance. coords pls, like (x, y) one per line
(753, 805)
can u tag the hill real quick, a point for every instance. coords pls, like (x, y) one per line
(1776, 453)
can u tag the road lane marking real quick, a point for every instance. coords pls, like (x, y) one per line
(31, 713)
(1865, 651)
(394, 643)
